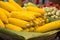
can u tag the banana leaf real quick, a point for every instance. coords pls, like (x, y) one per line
(9, 35)
(23, 35)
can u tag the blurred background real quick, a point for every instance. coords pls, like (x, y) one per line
(36, 1)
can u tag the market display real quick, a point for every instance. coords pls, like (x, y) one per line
(28, 19)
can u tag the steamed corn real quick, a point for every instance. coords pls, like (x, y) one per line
(35, 9)
(18, 22)
(5, 12)
(13, 27)
(49, 26)
(2, 24)
(22, 15)
(7, 6)
(16, 5)
(3, 17)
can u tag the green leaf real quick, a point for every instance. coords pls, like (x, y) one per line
(11, 34)
(26, 35)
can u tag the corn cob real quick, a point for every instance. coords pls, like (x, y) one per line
(49, 26)
(36, 27)
(34, 13)
(31, 23)
(43, 21)
(3, 17)
(36, 21)
(6, 12)
(31, 29)
(22, 15)
(13, 27)
(26, 30)
(2, 24)
(16, 5)
(18, 22)
(35, 9)
(46, 19)
(7, 6)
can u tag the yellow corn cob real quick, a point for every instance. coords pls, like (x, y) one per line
(13, 27)
(36, 21)
(49, 26)
(22, 15)
(35, 9)
(18, 22)
(16, 5)
(43, 21)
(31, 29)
(7, 6)
(34, 13)
(46, 19)
(3, 17)
(31, 23)
(6, 12)
(2, 24)
(40, 18)
(36, 27)
(26, 30)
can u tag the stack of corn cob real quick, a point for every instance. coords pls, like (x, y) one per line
(14, 17)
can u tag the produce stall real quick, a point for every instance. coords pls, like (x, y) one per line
(30, 22)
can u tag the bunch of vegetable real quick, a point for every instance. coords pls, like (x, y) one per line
(52, 12)
(31, 19)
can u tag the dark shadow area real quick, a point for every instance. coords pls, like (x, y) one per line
(1, 38)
